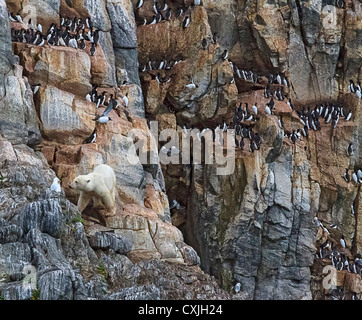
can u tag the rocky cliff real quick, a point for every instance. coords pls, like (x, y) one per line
(185, 66)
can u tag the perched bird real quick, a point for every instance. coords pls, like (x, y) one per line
(237, 287)
(350, 149)
(342, 241)
(176, 205)
(186, 22)
(204, 44)
(101, 99)
(139, 4)
(56, 185)
(191, 85)
(93, 49)
(268, 111)
(255, 108)
(224, 54)
(36, 88)
(91, 138)
(168, 14)
(81, 44)
(281, 123)
(346, 176)
(351, 86)
(125, 100)
(102, 119)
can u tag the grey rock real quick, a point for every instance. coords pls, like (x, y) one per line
(123, 24)
(10, 233)
(106, 241)
(146, 292)
(126, 60)
(61, 285)
(15, 291)
(44, 214)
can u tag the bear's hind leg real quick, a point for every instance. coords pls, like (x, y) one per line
(109, 204)
(83, 201)
(97, 203)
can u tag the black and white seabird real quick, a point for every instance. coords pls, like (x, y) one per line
(102, 119)
(56, 185)
(186, 22)
(225, 54)
(351, 86)
(81, 44)
(91, 138)
(204, 43)
(268, 111)
(101, 99)
(139, 4)
(191, 85)
(281, 123)
(92, 49)
(125, 99)
(215, 37)
(342, 241)
(36, 88)
(168, 14)
(350, 149)
(346, 176)
(255, 108)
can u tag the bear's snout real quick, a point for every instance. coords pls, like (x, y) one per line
(70, 186)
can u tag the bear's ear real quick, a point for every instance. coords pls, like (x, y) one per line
(88, 181)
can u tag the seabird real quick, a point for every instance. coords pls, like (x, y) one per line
(215, 37)
(351, 86)
(125, 100)
(204, 43)
(342, 241)
(255, 108)
(191, 85)
(225, 54)
(346, 176)
(267, 109)
(354, 177)
(237, 287)
(12, 17)
(139, 4)
(18, 17)
(186, 22)
(102, 119)
(56, 185)
(91, 138)
(93, 49)
(280, 122)
(101, 99)
(168, 14)
(154, 20)
(350, 149)
(81, 44)
(36, 88)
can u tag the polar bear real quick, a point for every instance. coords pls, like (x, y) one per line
(99, 184)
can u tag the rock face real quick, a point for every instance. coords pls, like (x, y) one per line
(48, 250)
(254, 227)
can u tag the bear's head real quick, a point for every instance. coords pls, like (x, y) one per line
(82, 183)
